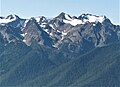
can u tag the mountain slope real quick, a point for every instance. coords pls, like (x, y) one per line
(75, 32)
(24, 67)
(100, 67)
(65, 51)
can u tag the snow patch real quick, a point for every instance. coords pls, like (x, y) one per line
(46, 30)
(37, 19)
(26, 21)
(43, 25)
(92, 18)
(74, 22)
(7, 20)
(24, 41)
(23, 34)
(63, 33)
(58, 31)
(51, 26)
(51, 34)
(94, 24)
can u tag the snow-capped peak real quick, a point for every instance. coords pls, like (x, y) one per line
(83, 19)
(91, 18)
(71, 20)
(40, 18)
(11, 17)
(63, 15)
(8, 19)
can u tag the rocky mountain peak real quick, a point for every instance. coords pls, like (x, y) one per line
(8, 19)
(76, 32)
(92, 18)
(12, 17)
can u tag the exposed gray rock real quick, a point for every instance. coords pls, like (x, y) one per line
(55, 32)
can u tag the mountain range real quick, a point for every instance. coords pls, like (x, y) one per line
(65, 51)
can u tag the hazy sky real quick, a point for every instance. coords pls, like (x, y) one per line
(51, 8)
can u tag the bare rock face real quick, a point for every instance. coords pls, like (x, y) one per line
(75, 33)
(34, 31)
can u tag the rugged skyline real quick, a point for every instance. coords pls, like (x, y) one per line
(31, 8)
(86, 28)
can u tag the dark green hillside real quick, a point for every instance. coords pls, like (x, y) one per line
(12, 54)
(38, 66)
(24, 67)
(20, 63)
(98, 68)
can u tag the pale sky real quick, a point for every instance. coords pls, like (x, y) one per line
(51, 8)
